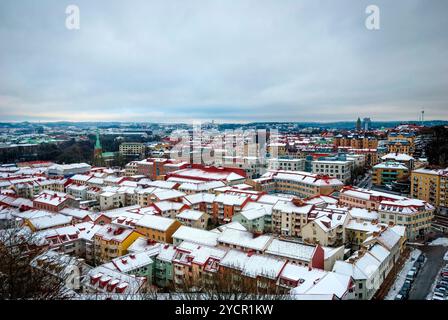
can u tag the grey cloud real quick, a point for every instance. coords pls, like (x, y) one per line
(241, 60)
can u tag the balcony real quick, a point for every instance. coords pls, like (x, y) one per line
(178, 272)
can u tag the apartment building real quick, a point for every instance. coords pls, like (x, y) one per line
(387, 172)
(286, 164)
(195, 235)
(370, 266)
(297, 183)
(132, 149)
(164, 270)
(157, 228)
(416, 215)
(112, 241)
(326, 226)
(52, 201)
(363, 198)
(356, 141)
(401, 142)
(403, 158)
(338, 169)
(430, 185)
(108, 282)
(68, 170)
(154, 168)
(289, 217)
(196, 265)
(255, 217)
(193, 218)
(45, 222)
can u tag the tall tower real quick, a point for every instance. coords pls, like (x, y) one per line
(98, 151)
(423, 116)
(358, 124)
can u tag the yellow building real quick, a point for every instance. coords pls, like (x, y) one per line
(387, 172)
(430, 185)
(157, 228)
(402, 142)
(112, 241)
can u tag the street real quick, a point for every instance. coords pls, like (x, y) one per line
(366, 182)
(422, 284)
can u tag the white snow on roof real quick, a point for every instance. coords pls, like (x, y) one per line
(50, 221)
(190, 215)
(199, 198)
(306, 277)
(133, 261)
(51, 198)
(155, 222)
(111, 232)
(363, 226)
(167, 253)
(391, 165)
(244, 239)
(232, 225)
(289, 207)
(144, 244)
(291, 250)
(265, 266)
(331, 283)
(198, 254)
(131, 284)
(364, 214)
(231, 200)
(397, 157)
(195, 235)
(168, 205)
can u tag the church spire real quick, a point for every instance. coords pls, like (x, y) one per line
(98, 142)
(98, 151)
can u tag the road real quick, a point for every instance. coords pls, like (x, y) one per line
(427, 275)
(366, 182)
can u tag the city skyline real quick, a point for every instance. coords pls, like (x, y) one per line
(240, 62)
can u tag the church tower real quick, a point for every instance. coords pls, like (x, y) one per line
(98, 151)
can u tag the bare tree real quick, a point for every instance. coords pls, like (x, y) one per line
(18, 279)
(223, 286)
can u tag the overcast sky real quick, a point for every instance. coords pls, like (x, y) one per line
(223, 60)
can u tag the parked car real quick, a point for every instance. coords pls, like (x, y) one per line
(437, 298)
(443, 282)
(404, 293)
(421, 258)
(399, 297)
(441, 285)
(410, 276)
(414, 269)
(406, 287)
(441, 290)
(438, 294)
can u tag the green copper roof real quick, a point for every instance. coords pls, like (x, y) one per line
(98, 143)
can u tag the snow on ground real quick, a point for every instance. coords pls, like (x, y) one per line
(440, 242)
(445, 257)
(399, 280)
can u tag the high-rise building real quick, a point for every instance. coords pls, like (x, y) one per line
(358, 124)
(366, 124)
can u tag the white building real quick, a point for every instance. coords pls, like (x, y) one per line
(338, 169)
(286, 164)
